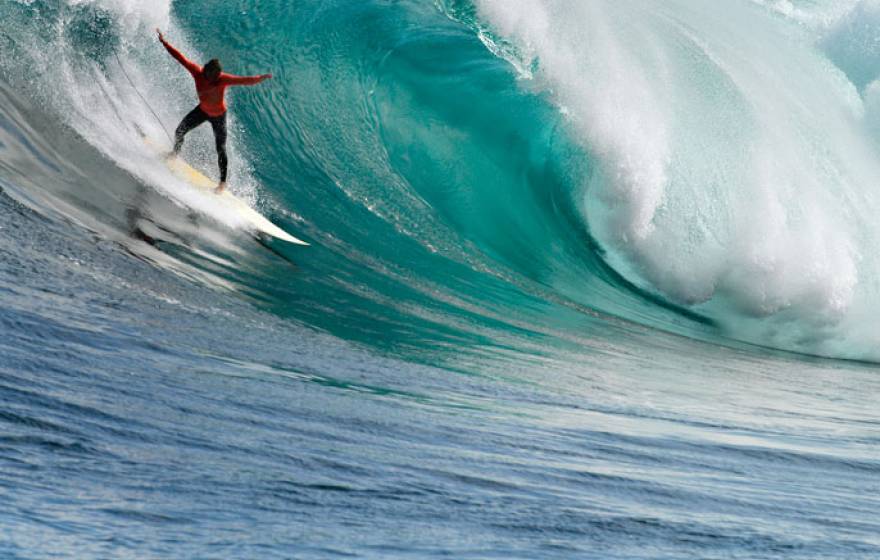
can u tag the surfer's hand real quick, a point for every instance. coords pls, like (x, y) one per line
(266, 76)
(161, 37)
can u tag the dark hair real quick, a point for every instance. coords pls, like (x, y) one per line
(212, 69)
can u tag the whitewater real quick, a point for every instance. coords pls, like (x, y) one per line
(587, 279)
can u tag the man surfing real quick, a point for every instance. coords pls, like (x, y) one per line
(211, 84)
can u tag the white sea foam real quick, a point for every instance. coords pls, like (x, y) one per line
(736, 171)
(93, 95)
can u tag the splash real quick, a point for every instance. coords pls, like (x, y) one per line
(93, 67)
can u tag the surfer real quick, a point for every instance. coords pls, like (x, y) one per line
(211, 84)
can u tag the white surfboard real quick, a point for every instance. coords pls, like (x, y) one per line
(198, 180)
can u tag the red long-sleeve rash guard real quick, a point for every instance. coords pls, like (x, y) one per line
(211, 94)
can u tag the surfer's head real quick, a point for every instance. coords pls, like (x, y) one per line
(212, 70)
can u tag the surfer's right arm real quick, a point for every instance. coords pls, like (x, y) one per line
(191, 66)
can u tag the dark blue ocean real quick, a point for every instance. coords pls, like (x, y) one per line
(587, 279)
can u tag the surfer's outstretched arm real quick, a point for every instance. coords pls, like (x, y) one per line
(233, 80)
(191, 66)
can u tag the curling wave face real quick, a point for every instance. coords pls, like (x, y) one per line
(505, 169)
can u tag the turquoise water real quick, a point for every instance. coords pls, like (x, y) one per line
(587, 279)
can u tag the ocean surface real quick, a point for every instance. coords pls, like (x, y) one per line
(587, 279)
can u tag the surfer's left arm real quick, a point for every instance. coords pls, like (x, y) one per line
(233, 80)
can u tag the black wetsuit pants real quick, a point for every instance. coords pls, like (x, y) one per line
(193, 119)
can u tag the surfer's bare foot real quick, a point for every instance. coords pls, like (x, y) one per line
(221, 186)
(170, 155)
